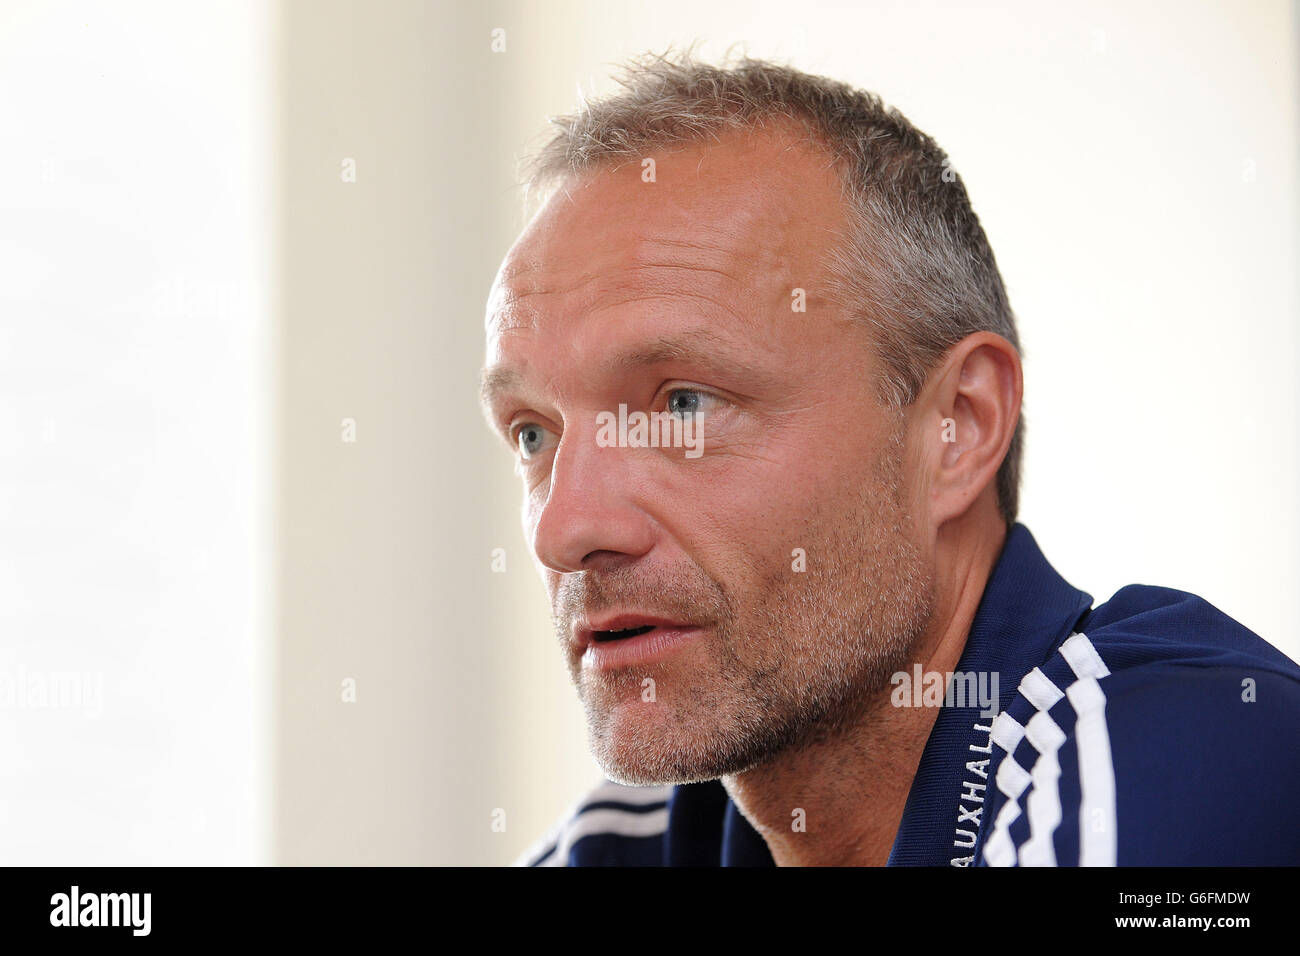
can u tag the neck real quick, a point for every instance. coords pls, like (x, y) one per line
(838, 799)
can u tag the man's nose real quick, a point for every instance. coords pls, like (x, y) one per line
(592, 516)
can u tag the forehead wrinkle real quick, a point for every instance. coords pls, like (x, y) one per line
(713, 306)
(667, 282)
(663, 275)
(526, 283)
(747, 257)
(718, 277)
(514, 306)
(688, 344)
(644, 259)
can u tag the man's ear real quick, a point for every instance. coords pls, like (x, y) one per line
(966, 416)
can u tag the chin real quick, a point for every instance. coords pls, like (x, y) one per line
(637, 772)
(642, 744)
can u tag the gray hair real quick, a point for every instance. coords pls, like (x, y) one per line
(916, 268)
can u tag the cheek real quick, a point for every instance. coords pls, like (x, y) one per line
(780, 549)
(755, 552)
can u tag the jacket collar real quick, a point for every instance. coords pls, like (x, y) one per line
(1026, 611)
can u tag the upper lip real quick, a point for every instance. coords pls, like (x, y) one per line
(622, 621)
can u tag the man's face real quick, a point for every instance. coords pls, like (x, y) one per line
(775, 567)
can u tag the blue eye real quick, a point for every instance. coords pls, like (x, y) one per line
(531, 440)
(687, 401)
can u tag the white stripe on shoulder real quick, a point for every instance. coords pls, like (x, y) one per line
(1083, 657)
(1038, 689)
(553, 850)
(1012, 779)
(1043, 804)
(605, 821)
(1098, 837)
(1097, 833)
(1007, 732)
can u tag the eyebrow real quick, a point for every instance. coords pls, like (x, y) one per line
(702, 345)
(494, 381)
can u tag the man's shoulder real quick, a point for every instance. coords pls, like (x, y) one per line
(1144, 624)
(1161, 732)
(611, 825)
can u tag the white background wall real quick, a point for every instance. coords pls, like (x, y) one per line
(135, 417)
(191, 299)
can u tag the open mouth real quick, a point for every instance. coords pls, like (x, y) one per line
(602, 636)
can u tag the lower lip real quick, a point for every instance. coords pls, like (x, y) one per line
(642, 649)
